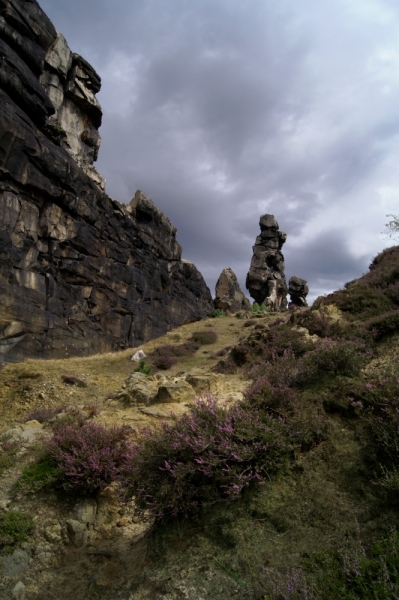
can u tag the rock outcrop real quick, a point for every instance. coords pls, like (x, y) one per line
(80, 273)
(266, 279)
(228, 294)
(298, 290)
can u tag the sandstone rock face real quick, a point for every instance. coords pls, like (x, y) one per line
(228, 294)
(298, 290)
(80, 273)
(266, 279)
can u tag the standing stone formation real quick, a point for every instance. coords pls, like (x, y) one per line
(80, 273)
(228, 294)
(298, 290)
(266, 279)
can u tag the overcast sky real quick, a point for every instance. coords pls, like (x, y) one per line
(223, 110)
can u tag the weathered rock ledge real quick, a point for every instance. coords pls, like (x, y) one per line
(80, 273)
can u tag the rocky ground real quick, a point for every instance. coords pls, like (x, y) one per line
(97, 548)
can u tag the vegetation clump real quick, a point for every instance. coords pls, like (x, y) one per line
(82, 458)
(204, 457)
(15, 527)
(204, 337)
(218, 313)
(8, 450)
(143, 368)
(256, 308)
(164, 357)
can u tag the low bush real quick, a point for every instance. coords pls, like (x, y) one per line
(383, 325)
(217, 313)
(335, 357)
(40, 475)
(379, 409)
(143, 368)
(44, 414)
(204, 337)
(249, 323)
(15, 527)
(259, 307)
(163, 361)
(225, 367)
(186, 349)
(87, 455)
(8, 451)
(280, 338)
(71, 380)
(329, 358)
(223, 351)
(206, 456)
(164, 357)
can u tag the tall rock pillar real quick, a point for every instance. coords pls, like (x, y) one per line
(266, 278)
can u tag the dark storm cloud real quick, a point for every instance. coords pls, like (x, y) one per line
(221, 110)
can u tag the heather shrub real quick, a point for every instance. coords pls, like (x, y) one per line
(249, 323)
(226, 367)
(329, 358)
(44, 414)
(163, 357)
(335, 357)
(88, 455)
(222, 351)
(71, 380)
(186, 349)
(240, 354)
(205, 456)
(379, 409)
(359, 299)
(15, 527)
(392, 292)
(278, 370)
(278, 398)
(204, 337)
(280, 338)
(384, 324)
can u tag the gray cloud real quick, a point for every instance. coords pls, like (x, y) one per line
(221, 110)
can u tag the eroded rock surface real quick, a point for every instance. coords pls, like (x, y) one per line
(80, 273)
(298, 290)
(228, 294)
(266, 278)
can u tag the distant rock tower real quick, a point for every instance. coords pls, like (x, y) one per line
(266, 279)
(298, 290)
(228, 294)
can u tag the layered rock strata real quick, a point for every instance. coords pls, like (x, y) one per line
(298, 290)
(80, 273)
(266, 279)
(228, 294)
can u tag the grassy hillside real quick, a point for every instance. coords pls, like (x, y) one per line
(290, 494)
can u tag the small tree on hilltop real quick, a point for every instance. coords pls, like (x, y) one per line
(392, 227)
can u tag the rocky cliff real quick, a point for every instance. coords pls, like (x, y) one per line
(80, 273)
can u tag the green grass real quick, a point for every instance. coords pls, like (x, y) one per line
(15, 527)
